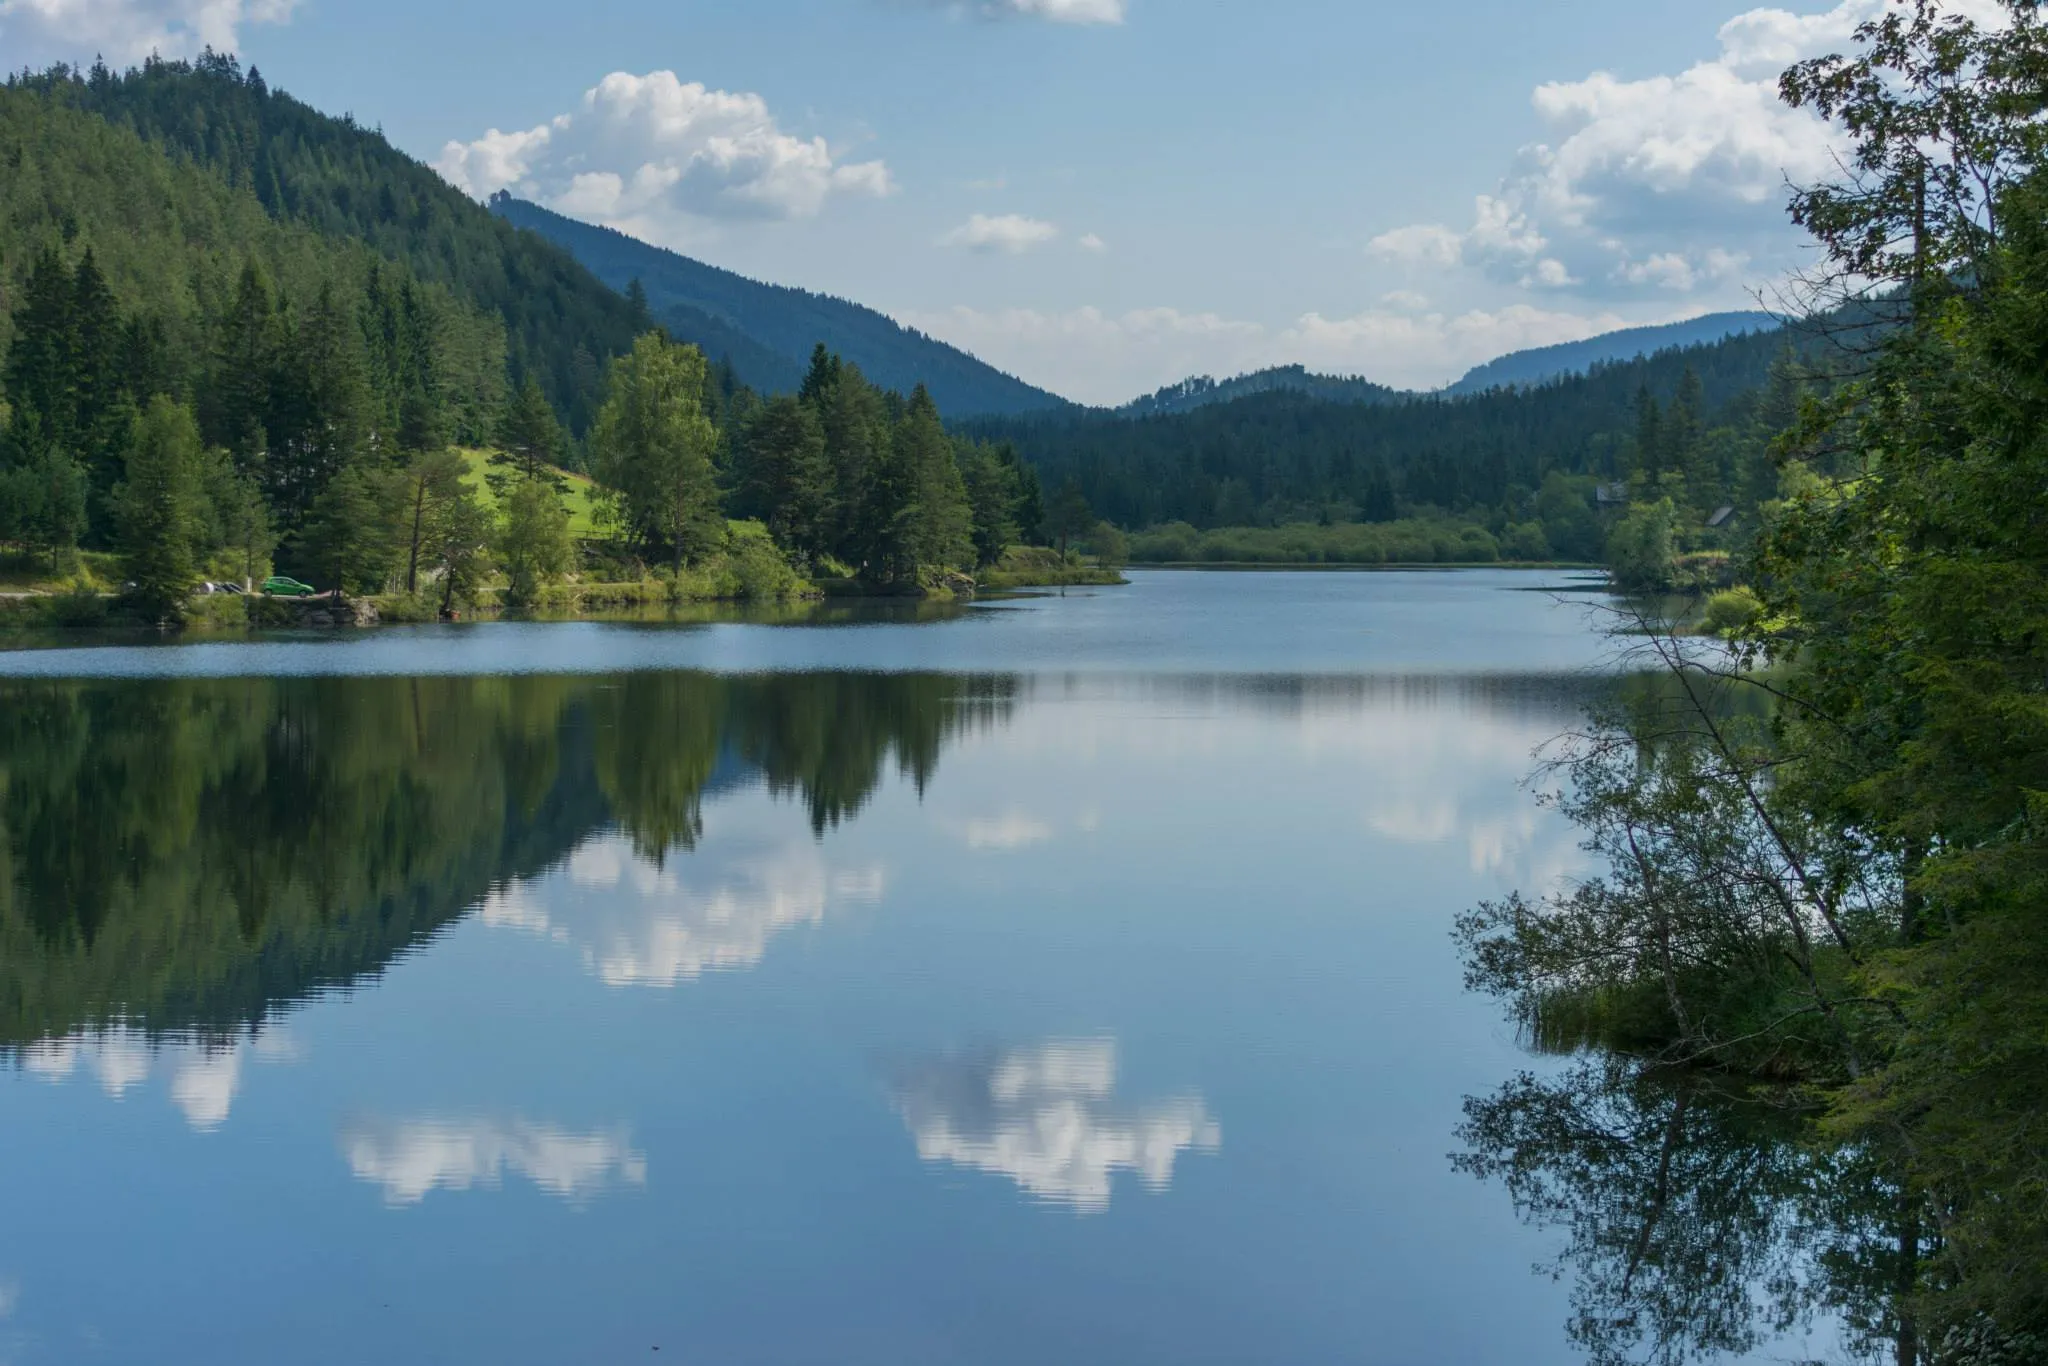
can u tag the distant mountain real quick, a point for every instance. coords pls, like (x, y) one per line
(768, 331)
(1202, 391)
(1523, 369)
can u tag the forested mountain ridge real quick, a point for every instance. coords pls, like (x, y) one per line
(1540, 365)
(1282, 456)
(1203, 391)
(344, 181)
(768, 331)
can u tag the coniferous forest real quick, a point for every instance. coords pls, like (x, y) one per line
(281, 354)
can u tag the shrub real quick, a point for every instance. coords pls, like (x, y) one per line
(1731, 611)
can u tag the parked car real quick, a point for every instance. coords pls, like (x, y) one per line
(278, 585)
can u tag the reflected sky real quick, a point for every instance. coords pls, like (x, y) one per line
(640, 922)
(1048, 1118)
(202, 1078)
(832, 1017)
(416, 1157)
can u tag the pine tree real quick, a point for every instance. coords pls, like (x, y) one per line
(236, 399)
(857, 441)
(993, 494)
(529, 440)
(161, 509)
(783, 476)
(1069, 516)
(935, 524)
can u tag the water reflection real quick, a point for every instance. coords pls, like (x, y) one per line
(410, 1160)
(1046, 1117)
(186, 856)
(205, 1073)
(1696, 1224)
(642, 922)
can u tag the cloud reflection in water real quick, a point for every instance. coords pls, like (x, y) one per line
(206, 1076)
(1046, 1118)
(638, 923)
(412, 1159)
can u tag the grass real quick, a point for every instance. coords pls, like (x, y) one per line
(91, 569)
(580, 499)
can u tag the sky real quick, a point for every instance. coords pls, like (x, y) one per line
(1103, 196)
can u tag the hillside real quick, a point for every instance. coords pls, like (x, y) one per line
(333, 177)
(769, 331)
(1284, 456)
(1546, 363)
(1202, 391)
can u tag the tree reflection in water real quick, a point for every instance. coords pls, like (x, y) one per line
(1696, 1224)
(181, 857)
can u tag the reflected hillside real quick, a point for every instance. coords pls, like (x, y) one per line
(185, 856)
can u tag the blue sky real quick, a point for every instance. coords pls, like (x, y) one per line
(1102, 195)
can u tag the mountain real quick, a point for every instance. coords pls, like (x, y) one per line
(1287, 455)
(768, 331)
(332, 178)
(1523, 369)
(1202, 391)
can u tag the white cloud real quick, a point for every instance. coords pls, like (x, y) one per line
(657, 157)
(1091, 242)
(34, 32)
(1010, 233)
(1046, 1118)
(1056, 11)
(205, 1087)
(205, 1077)
(639, 924)
(1009, 831)
(1100, 357)
(1671, 182)
(410, 1160)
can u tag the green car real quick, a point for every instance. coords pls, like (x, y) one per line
(284, 587)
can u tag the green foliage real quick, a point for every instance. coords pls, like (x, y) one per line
(783, 476)
(1281, 457)
(1069, 514)
(529, 440)
(1410, 542)
(1732, 612)
(160, 509)
(332, 177)
(1525, 541)
(1642, 549)
(533, 541)
(652, 447)
(932, 523)
(350, 537)
(1848, 887)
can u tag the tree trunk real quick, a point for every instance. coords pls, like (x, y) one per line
(412, 566)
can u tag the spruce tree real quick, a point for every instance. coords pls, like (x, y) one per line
(160, 508)
(784, 478)
(935, 524)
(529, 440)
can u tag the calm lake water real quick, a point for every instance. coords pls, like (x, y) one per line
(1063, 980)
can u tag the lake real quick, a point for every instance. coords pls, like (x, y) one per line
(1059, 980)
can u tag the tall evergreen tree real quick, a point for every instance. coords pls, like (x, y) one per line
(529, 439)
(784, 478)
(161, 509)
(934, 525)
